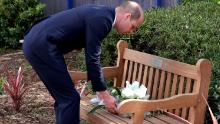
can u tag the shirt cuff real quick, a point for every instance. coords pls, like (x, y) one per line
(99, 85)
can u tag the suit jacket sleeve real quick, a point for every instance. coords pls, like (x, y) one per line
(96, 30)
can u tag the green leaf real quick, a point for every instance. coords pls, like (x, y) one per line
(116, 91)
(96, 108)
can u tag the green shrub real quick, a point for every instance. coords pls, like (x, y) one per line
(16, 16)
(194, 1)
(184, 33)
(2, 80)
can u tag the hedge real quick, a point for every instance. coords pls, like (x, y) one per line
(16, 16)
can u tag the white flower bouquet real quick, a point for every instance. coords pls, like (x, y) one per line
(132, 91)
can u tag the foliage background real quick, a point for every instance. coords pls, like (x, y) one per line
(16, 16)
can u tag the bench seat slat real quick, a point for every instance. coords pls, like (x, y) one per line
(169, 120)
(100, 114)
(147, 122)
(93, 118)
(154, 120)
(103, 117)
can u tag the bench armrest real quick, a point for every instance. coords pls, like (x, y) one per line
(177, 101)
(139, 107)
(107, 72)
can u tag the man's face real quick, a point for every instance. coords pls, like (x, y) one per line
(127, 25)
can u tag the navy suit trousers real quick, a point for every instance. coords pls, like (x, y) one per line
(50, 66)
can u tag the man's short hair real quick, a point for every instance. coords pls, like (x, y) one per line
(129, 6)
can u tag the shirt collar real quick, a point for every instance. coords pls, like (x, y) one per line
(114, 20)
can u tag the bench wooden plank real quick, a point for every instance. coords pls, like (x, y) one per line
(204, 71)
(134, 72)
(180, 91)
(168, 119)
(178, 101)
(101, 114)
(192, 109)
(161, 86)
(161, 63)
(150, 81)
(145, 75)
(168, 85)
(94, 117)
(125, 73)
(191, 115)
(174, 85)
(130, 71)
(104, 117)
(140, 72)
(155, 84)
(154, 120)
(174, 88)
(114, 118)
(107, 72)
(121, 45)
(147, 122)
(187, 90)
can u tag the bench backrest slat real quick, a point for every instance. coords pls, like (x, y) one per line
(161, 85)
(140, 69)
(161, 63)
(155, 84)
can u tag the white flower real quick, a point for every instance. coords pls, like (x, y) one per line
(134, 90)
(128, 93)
(135, 85)
(101, 102)
(141, 92)
(128, 85)
(96, 100)
(131, 91)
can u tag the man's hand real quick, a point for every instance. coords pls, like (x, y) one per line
(109, 101)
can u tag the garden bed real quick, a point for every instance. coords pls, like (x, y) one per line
(38, 104)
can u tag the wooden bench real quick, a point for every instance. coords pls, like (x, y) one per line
(174, 87)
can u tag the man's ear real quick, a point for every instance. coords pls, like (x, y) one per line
(128, 15)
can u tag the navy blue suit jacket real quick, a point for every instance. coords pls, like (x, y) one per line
(81, 27)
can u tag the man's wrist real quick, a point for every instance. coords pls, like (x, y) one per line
(103, 94)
